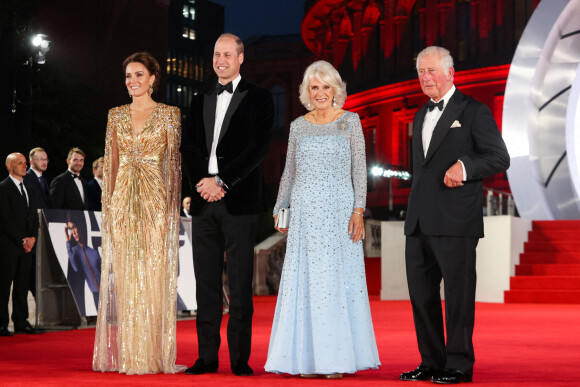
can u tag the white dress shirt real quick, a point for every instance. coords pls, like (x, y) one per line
(100, 182)
(430, 121)
(223, 102)
(79, 185)
(18, 182)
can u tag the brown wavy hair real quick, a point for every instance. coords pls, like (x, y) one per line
(149, 62)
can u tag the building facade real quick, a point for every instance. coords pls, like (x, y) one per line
(374, 45)
(194, 26)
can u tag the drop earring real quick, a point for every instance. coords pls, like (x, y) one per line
(333, 102)
(150, 89)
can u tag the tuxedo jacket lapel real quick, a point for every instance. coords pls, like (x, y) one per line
(454, 107)
(209, 105)
(237, 97)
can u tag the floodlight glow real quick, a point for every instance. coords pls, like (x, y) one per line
(37, 40)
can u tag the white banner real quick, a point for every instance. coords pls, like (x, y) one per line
(76, 239)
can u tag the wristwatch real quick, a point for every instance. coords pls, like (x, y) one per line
(219, 182)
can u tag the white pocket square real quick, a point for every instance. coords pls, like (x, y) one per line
(456, 124)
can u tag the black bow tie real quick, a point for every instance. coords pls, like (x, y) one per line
(228, 87)
(75, 176)
(431, 105)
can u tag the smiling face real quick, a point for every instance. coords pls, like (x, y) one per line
(321, 94)
(435, 83)
(138, 79)
(226, 60)
(76, 162)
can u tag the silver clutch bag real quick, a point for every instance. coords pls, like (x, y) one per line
(283, 220)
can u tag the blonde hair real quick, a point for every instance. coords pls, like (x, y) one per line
(325, 73)
(75, 150)
(97, 161)
(34, 151)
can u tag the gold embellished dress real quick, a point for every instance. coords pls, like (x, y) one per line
(135, 331)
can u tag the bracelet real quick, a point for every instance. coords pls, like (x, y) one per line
(358, 213)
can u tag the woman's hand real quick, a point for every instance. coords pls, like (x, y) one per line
(282, 230)
(356, 226)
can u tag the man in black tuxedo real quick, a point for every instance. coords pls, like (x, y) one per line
(456, 143)
(225, 139)
(37, 186)
(95, 186)
(18, 230)
(69, 191)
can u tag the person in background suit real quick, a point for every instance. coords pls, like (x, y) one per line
(69, 191)
(34, 179)
(225, 139)
(37, 185)
(186, 207)
(94, 186)
(456, 144)
(18, 231)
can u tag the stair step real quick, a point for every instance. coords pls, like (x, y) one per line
(553, 235)
(553, 246)
(550, 258)
(542, 297)
(548, 269)
(534, 282)
(556, 224)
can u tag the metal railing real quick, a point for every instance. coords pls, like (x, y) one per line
(497, 202)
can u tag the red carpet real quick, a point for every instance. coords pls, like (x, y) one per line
(549, 269)
(515, 345)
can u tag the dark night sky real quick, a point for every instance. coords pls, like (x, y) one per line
(260, 17)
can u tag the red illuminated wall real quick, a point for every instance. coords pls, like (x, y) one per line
(374, 44)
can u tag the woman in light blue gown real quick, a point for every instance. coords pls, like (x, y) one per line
(322, 325)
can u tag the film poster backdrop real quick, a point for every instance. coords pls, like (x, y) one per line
(76, 239)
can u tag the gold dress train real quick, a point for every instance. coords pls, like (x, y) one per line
(135, 331)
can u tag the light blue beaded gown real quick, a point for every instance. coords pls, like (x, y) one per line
(322, 323)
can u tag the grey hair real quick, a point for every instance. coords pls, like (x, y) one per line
(325, 73)
(445, 58)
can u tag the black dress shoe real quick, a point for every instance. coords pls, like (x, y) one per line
(419, 374)
(28, 329)
(201, 367)
(5, 332)
(241, 368)
(451, 376)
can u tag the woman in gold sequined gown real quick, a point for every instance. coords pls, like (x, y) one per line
(141, 192)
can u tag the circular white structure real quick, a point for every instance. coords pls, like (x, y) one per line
(541, 114)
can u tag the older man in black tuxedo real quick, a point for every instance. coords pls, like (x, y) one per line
(69, 191)
(225, 139)
(456, 143)
(18, 230)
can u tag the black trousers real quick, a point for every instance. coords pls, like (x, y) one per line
(430, 259)
(15, 271)
(214, 231)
